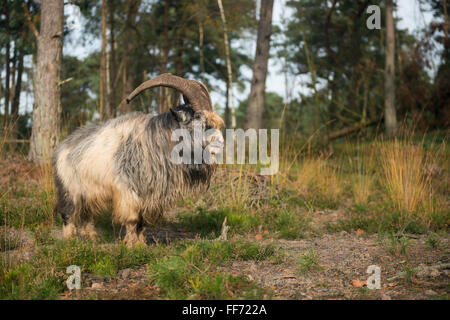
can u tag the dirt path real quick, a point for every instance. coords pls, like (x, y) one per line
(342, 258)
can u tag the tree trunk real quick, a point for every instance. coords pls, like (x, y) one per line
(163, 103)
(166, 37)
(47, 94)
(255, 108)
(12, 85)
(18, 88)
(390, 117)
(227, 107)
(8, 71)
(129, 44)
(200, 44)
(445, 21)
(102, 99)
(111, 64)
(227, 56)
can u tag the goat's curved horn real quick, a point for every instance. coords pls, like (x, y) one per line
(196, 92)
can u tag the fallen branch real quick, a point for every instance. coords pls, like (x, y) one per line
(347, 131)
(424, 268)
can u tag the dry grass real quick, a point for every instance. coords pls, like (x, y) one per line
(317, 177)
(407, 181)
(48, 191)
(362, 183)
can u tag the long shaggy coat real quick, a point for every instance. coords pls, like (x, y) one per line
(125, 164)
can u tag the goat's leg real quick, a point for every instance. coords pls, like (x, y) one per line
(126, 211)
(66, 208)
(131, 237)
(85, 220)
(141, 231)
(135, 233)
(87, 230)
(69, 230)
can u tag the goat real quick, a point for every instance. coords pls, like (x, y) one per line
(125, 164)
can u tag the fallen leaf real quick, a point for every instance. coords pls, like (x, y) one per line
(259, 237)
(359, 283)
(360, 232)
(393, 284)
(67, 293)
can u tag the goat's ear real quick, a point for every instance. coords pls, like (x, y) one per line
(179, 115)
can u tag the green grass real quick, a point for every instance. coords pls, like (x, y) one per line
(395, 244)
(191, 271)
(409, 273)
(217, 252)
(287, 224)
(29, 281)
(381, 218)
(26, 213)
(43, 277)
(309, 261)
(433, 240)
(208, 223)
(172, 267)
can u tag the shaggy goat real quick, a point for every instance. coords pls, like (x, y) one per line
(126, 163)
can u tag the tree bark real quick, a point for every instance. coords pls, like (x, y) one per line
(111, 63)
(47, 94)
(163, 103)
(228, 60)
(254, 114)
(390, 117)
(18, 88)
(102, 98)
(200, 44)
(12, 85)
(8, 71)
(129, 44)
(179, 41)
(166, 37)
(445, 21)
(227, 107)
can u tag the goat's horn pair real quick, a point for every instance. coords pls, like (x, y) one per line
(196, 92)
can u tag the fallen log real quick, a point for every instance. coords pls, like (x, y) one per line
(347, 131)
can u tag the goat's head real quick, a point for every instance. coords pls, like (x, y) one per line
(197, 110)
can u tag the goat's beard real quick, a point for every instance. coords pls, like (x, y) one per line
(199, 175)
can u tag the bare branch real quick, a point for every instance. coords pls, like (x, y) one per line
(30, 21)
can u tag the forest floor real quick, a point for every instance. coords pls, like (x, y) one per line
(298, 236)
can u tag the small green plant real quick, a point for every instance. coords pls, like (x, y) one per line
(290, 226)
(309, 262)
(409, 272)
(433, 240)
(397, 244)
